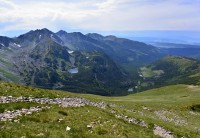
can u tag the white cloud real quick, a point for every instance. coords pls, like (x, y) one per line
(116, 15)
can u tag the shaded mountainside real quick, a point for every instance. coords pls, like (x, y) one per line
(78, 63)
(170, 70)
(128, 52)
(91, 63)
(50, 65)
(189, 50)
(122, 51)
(4, 41)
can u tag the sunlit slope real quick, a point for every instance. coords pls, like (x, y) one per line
(174, 108)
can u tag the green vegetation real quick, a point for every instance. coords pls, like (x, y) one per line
(195, 107)
(148, 72)
(9, 75)
(47, 123)
(97, 73)
(176, 108)
(105, 65)
(5, 62)
(15, 106)
(170, 70)
(5, 71)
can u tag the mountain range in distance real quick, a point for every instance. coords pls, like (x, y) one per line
(93, 63)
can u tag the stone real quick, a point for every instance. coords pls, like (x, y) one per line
(68, 128)
(16, 121)
(59, 120)
(89, 126)
(40, 134)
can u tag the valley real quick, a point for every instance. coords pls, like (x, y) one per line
(91, 63)
(73, 61)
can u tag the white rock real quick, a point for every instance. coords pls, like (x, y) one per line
(68, 128)
(40, 134)
(89, 126)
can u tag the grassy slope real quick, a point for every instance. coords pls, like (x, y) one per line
(170, 70)
(173, 101)
(6, 66)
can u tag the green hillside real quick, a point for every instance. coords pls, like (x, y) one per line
(174, 108)
(170, 70)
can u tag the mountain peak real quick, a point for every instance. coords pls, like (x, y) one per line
(111, 37)
(61, 32)
(44, 31)
(95, 36)
(4, 41)
(77, 33)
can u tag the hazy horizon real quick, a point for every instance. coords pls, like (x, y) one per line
(100, 16)
(148, 36)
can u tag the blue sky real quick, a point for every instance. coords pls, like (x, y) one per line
(18, 16)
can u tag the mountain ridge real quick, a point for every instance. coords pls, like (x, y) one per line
(91, 63)
(42, 59)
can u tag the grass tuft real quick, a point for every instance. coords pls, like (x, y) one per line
(63, 113)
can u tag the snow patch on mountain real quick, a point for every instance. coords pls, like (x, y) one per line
(18, 45)
(70, 51)
(2, 44)
(73, 70)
